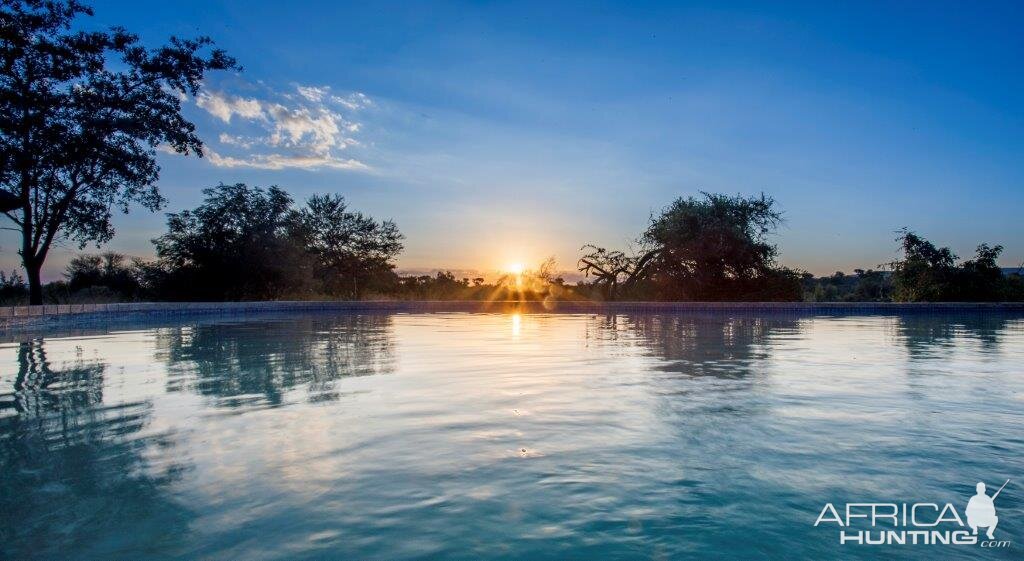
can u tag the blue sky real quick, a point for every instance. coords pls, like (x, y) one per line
(503, 132)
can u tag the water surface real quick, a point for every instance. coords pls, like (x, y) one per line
(504, 436)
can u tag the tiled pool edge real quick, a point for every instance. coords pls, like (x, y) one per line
(34, 317)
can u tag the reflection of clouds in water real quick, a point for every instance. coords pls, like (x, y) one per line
(69, 456)
(795, 383)
(76, 434)
(270, 437)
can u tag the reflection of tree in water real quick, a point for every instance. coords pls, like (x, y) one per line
(72, 465)
(256, 363)
(702, 345)
(925, 335)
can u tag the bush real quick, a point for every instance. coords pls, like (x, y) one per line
(111, 275)
(13, 289)
(930, 274)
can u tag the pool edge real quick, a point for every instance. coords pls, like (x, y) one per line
(57, 316)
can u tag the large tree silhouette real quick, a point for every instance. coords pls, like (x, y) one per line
(351, 250)
(710, 248)
(81, 116)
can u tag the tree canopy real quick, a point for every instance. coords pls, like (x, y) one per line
(709, 248)
(233, 246)
(927, 273)
(81, 116)
(352, 251)
(250, 243)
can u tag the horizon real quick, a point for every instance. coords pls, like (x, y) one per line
(497, 134)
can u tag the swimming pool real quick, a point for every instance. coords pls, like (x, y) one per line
(510, 436)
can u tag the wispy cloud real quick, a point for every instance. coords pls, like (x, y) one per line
(223, 106)
(284, 130)
(235, 140)
(312, 93)
(353, 101)
(282, 161)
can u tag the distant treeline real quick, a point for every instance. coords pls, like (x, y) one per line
(924, 274)
(249, 243)
(715, 247)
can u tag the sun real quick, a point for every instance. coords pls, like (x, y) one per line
(515, 268)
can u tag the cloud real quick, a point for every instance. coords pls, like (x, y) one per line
(319, 129)
(352, 101)
(232, 140)
(223, 106)
(282, 161)
(318, 94)
(282, 130)
(313, 93)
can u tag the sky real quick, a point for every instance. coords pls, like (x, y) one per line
(496, 133)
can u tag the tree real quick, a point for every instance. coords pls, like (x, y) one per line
(12, 288)
(981, 279)
(81, 116)
(709, 248)
(110, 271)
(872, 286)
(926, 273)
(930, 274)
(234, 246)
(613, 268)
(353, 252)
(249, 243)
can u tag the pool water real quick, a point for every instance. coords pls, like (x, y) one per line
(503, 436)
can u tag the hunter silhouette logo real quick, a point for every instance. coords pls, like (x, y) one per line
(920, 523)
(981, 510)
